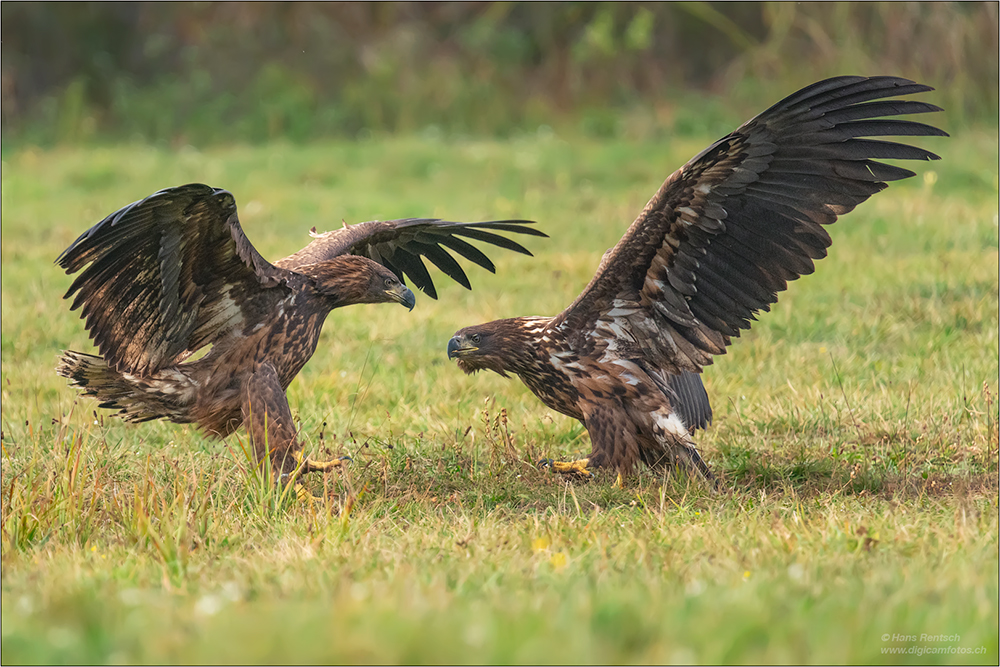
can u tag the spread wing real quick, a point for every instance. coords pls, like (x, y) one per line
(166, 275)
(401, 244)
(726, 232)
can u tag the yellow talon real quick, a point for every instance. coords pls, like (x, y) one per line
(321, 466)
(303, 494)
(303, 465)
(577, 468)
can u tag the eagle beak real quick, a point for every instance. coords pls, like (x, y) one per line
(403, 295)
(456, 349)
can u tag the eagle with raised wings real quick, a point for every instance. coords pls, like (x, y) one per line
(174, 273)
(718, 241)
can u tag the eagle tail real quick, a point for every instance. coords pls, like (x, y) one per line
(677, 453)
(686, 393)
(691, 399)
(137, 398)
(688, 453)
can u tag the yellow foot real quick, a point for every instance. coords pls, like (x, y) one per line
(323, 466)
(303, 494)
(303, 465)
(575, 468)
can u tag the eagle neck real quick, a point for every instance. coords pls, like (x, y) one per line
(525, 339)
(341, 281)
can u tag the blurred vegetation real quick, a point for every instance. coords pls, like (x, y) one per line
(179, 73)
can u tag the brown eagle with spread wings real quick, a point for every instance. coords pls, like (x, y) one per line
(174, 273)
(723, 235)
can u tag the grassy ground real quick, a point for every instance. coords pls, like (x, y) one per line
(856, 426)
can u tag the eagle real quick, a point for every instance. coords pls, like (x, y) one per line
(173, 275)
(713, 247)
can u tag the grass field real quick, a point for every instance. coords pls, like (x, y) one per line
(855, 427)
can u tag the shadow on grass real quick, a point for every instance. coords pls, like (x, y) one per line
(817, 474)
(403, 478)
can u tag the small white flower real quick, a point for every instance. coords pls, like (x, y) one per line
(208, 605)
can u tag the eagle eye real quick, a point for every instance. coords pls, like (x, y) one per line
(388, 282)
(475, 338)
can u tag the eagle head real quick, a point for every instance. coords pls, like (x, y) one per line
(502, 346)
(351, 279)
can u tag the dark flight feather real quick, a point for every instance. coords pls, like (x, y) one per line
(400, 244)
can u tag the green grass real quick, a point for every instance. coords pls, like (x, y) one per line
(855, 426)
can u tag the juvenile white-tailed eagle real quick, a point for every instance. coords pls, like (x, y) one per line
(174, 273)
(715, 245)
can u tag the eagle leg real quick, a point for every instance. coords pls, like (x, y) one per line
(269, 422)
(576, 468)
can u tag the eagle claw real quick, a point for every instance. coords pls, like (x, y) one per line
(303, 495)
(323, 466)
(574, 468)
(304, 465)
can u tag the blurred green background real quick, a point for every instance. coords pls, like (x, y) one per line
(210, 73)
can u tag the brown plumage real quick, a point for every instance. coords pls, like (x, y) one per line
(174, 273)
(716, 243)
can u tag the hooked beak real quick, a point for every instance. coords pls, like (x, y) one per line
(458, 348)
(403, 295)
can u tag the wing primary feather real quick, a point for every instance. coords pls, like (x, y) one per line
(880, 109)
(441, 259)
(863, 92)
(469, 251)
(414, 267)
(495, 239)
(514, 226)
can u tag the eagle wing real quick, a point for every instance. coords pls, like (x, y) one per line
(726, 232)
(166, 275)
(400, 244)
